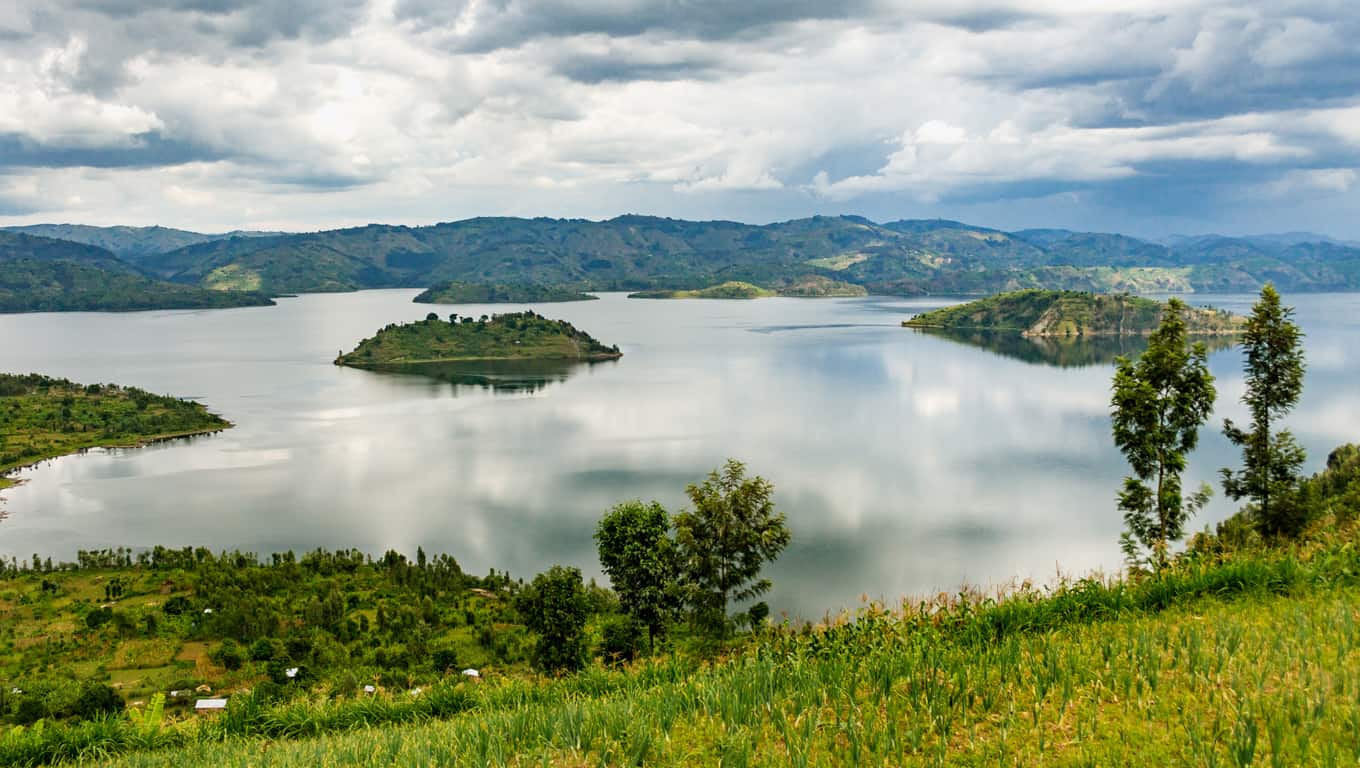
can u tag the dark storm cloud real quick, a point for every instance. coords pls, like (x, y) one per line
(509, 23)
(146, 150)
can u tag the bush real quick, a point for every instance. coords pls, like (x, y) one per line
(445, 659)
(229, 655)
(97, 699)
(98, 617)
(621, 640)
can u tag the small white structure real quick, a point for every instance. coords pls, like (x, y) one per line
(416, 691)
(210, 705)
(370, 689)
(291, 672)
(472, 673)
(207, 610)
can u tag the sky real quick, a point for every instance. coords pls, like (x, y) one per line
(1149, 117)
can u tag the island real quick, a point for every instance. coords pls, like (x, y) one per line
(43, 418)
(459, 292)
(1041, 314)
(511, 336)
(806, 287)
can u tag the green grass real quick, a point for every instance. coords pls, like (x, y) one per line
(1245, 660)
(733, 289)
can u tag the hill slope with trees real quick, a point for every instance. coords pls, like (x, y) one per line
(512, 336)
(1038, 313)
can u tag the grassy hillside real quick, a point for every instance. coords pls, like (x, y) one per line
(456, 292)
(643, 252)
(1068, 313)
(132, 244)
(512, 336)
(41, 418)
(1249, 658)
(39, 274)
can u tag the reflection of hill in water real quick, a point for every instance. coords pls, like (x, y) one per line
(496, 375)
(1064, 351)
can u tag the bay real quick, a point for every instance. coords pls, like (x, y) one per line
(907, 463)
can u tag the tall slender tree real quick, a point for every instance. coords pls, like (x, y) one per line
(1159, 403)
(1271, 459)
(724, 541)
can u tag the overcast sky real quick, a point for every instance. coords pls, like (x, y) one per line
(1145, 116)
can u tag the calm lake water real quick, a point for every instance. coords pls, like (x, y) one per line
(906, 463)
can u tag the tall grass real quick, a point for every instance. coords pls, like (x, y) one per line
(1040, 674)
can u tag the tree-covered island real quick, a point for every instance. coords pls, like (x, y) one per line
(1036, 313)
(459, 292)
(511, 336)
(42, 418)
(806, 287)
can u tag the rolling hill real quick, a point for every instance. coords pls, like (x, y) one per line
(634, 253)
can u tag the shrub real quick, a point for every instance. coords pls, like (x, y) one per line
(97, 699)
(621, 639)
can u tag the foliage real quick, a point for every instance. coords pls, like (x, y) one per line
(638, 554)
(1037, 313)
(512, 336)
(1158, 406)
(725, 540)
(555, 607)
(42, 417)
(459, 292)
(1271, 461)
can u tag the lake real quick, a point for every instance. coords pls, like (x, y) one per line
(906, 463)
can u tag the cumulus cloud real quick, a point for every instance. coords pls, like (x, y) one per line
(328, 113)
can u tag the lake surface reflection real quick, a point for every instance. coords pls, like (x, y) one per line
(906, 463)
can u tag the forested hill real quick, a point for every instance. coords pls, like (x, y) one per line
(1070, 313)
(39, 274)
(910, 257)
(511, 336)
(132, 244)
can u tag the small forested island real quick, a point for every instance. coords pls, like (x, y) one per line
(1037, 313)
(806, 287)
(819, 287)
(458, 292)
(42, 418)
(732, 289)
(511, 336)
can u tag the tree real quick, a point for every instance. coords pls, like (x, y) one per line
(554, 606)
(1158, 406)
(732, 532)
(638, 555)
(1270, 462)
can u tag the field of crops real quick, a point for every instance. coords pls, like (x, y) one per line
(1247, 661)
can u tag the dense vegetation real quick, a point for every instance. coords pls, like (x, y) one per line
(41, 418)
(805, 287)
(511, 336)
(1069, 313)
(131, 244)
(40, 274)
(457, 292)
(641, 252)
(1237, 653)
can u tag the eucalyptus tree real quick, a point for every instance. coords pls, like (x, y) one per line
(1159, 403)
(725, 540)
(1271, 460)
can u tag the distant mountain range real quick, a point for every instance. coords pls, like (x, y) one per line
(909, 257)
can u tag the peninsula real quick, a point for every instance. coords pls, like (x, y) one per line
(512, 336)
(458, 292)
(44, 418)
(1037, 313)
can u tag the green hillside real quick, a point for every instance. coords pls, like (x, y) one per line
(132, 244)
(1069, 313)
(456, 292)
(41, 418)
(39, 274)
(637, 253)
(512, 336)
